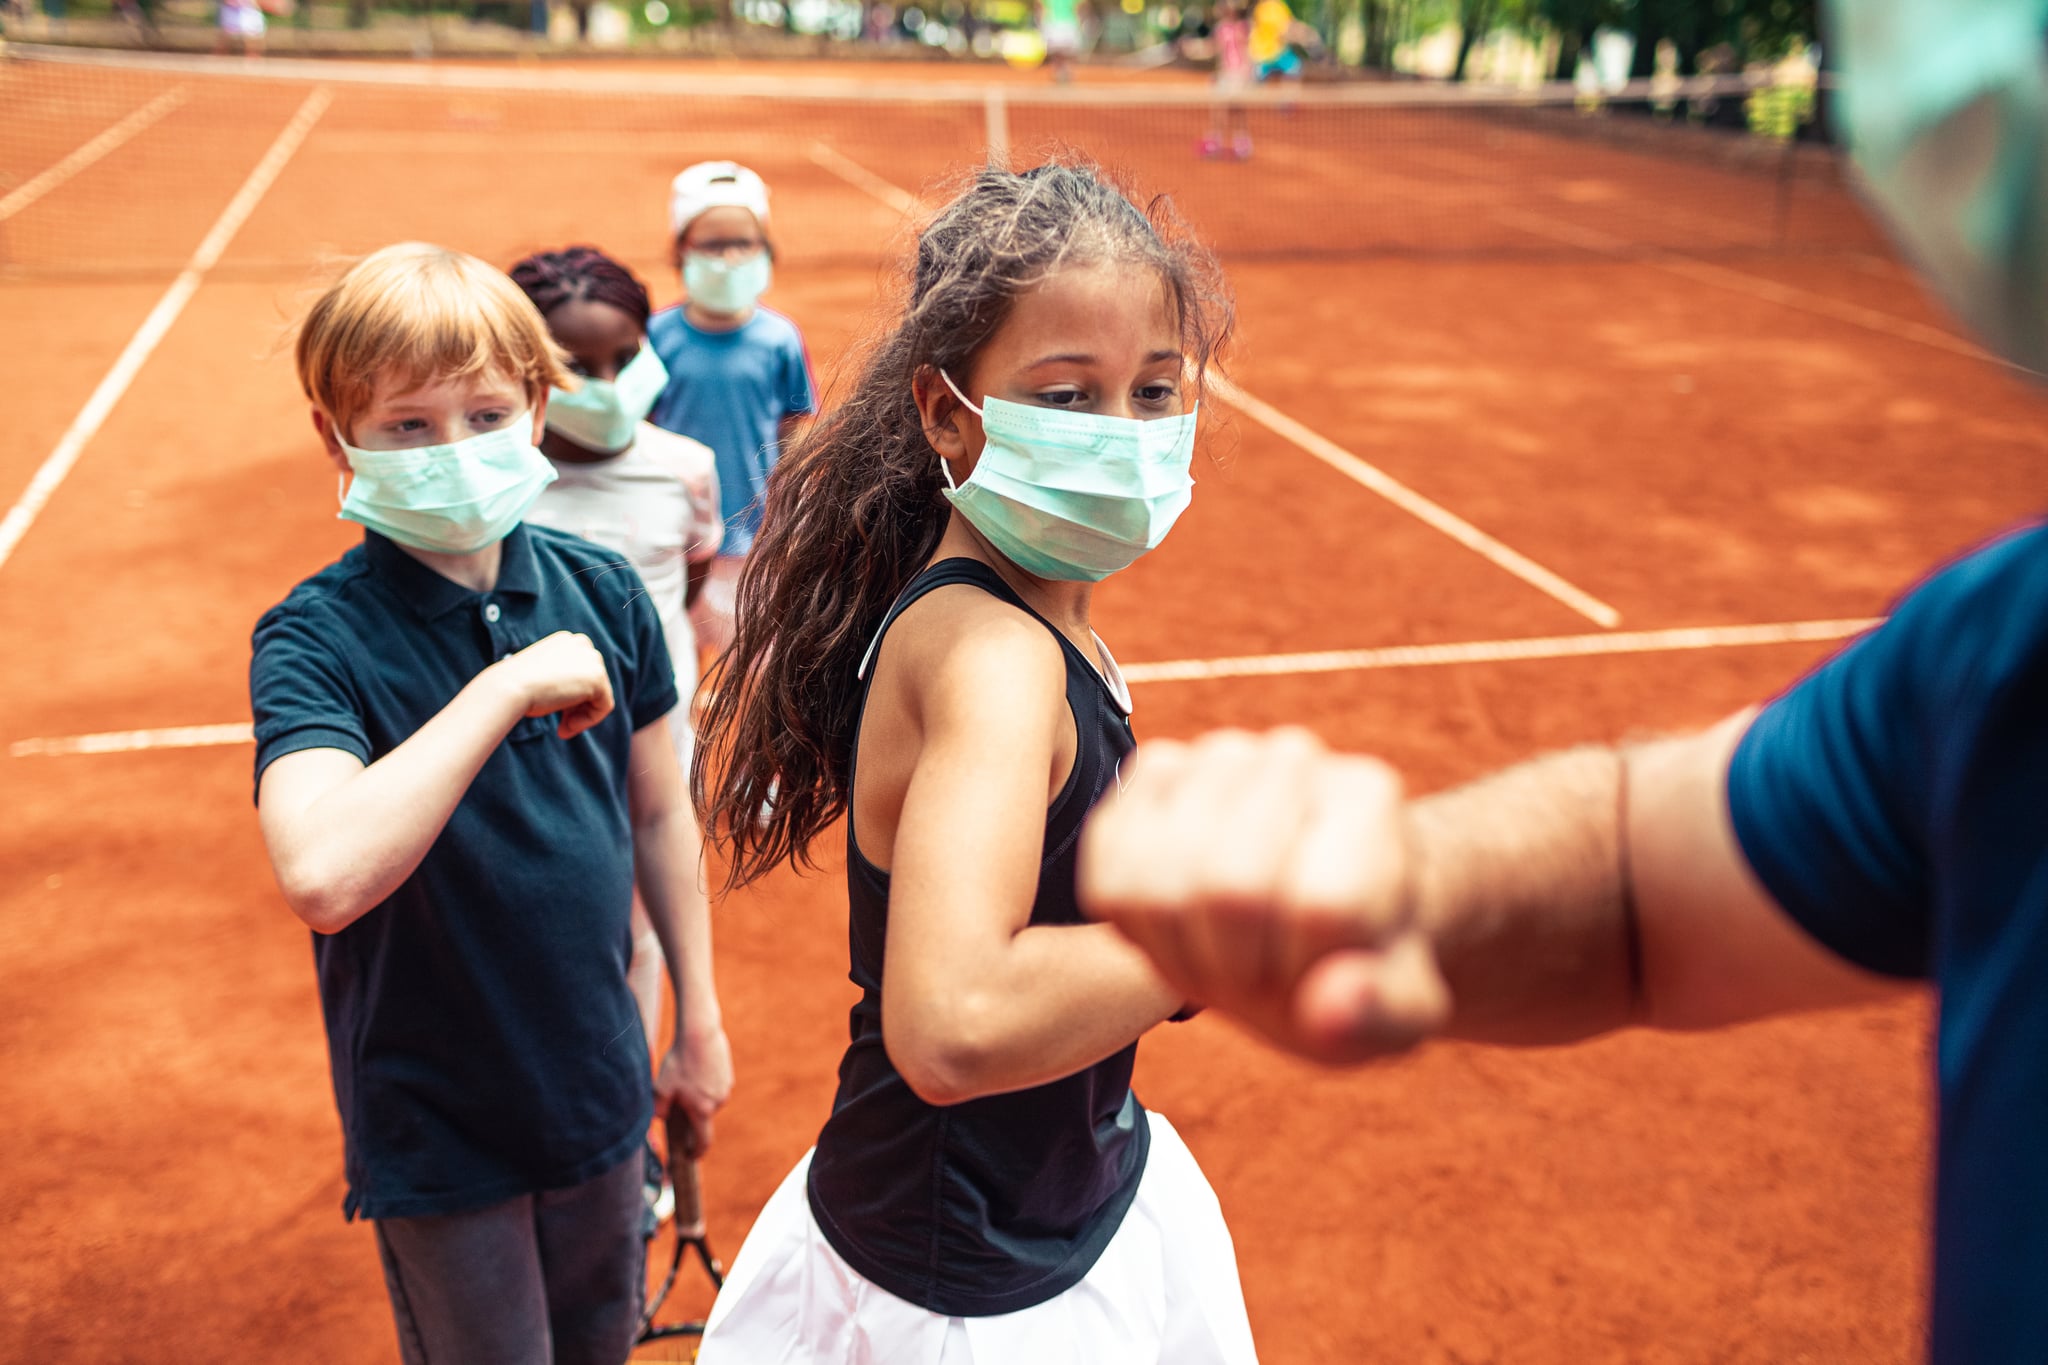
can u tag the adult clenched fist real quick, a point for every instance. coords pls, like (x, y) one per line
(1268, 878)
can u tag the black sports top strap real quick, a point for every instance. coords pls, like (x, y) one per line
(943, 574)
(959, 569)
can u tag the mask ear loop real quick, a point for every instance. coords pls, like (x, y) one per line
(946, 470)
(964, 400)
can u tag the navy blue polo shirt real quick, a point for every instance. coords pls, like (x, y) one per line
(1895, 803)
(482, 1038)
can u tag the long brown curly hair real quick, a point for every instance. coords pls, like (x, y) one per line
(854, 510)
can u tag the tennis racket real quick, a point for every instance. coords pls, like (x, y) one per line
(688, 1224)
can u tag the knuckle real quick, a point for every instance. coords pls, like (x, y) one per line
(1369, 781)
(1229, 878)
(1293, 740)
(1232, 745)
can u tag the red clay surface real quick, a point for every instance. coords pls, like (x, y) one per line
(1692, 455)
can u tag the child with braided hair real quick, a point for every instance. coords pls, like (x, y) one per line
(648, 495)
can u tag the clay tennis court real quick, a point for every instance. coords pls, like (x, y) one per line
(1535, 438)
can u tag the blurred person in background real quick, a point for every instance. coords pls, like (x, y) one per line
(241, 23)
(1272, 41)
(1230, 129)
(1059, 24)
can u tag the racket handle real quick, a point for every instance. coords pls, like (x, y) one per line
(682, 1173)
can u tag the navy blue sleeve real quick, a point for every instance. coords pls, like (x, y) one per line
(300, 691)
(1837, 790)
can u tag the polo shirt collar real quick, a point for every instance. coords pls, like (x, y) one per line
(430, 595)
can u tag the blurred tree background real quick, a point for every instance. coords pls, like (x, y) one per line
(1704, 36)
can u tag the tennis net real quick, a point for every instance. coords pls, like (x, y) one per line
(115, 163)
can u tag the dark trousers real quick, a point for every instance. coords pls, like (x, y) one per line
(544, 1279)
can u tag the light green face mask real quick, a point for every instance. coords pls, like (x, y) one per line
(1945, 109)
(603, 414)
(725, 286)
(1073, 495)
(450, 499)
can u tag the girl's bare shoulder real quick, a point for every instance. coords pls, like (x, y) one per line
(959, 647)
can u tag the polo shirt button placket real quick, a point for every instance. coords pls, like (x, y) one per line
(492, 613)
(502, 645)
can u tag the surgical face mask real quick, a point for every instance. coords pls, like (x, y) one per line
(450, 499)
(1072, 495)
(603, 414)
(1945, 108)
(724, 285)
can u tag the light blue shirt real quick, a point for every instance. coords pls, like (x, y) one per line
(732, 390)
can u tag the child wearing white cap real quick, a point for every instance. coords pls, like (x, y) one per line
(739, 375)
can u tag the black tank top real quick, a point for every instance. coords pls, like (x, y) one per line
(1003, 1202)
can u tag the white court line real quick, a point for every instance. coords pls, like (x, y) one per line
(1496, 651)
(132, 741)
(1182, 670)
(97, 408)
(108, 139)
(863, 179)
(1417, 506)
(1742, 282)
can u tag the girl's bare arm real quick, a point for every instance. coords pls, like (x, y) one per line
(977, 1001)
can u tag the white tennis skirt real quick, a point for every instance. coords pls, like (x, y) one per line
(1165, 1290)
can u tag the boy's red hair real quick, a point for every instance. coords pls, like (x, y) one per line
(413, 313)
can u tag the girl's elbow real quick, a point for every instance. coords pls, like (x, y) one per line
(935, 1085)
(944, 1063)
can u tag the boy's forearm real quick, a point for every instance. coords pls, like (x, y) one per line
(1518, 882)
(362, 839)
(671, 882)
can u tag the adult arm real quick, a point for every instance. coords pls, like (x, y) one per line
(342, 835)
(1604, 887)
(1683, 883)
(668, 848)
(978, 1001)
(1333, 925)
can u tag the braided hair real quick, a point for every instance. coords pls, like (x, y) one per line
(581, 273)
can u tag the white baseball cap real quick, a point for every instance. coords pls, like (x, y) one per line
(714, 185)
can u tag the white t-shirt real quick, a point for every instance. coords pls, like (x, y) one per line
(656, 503)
